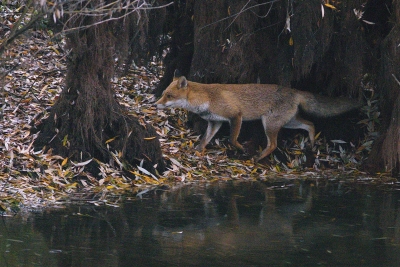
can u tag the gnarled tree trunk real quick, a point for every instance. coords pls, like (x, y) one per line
(385, 155)
(87, 114)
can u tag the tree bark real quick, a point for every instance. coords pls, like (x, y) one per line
(179, 26)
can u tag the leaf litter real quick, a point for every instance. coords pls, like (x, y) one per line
(34, 70)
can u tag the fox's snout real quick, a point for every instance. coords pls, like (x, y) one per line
(159, 104)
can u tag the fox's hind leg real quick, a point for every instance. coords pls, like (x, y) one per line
(272, 138)
(212, 129)
(236, 124)
(299, 123)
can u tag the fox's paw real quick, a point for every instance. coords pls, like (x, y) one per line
(256, 159)
(246, 151)
(238, 147)
(260, 157)
(199, 148)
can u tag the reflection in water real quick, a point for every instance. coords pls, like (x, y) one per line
(292, 223)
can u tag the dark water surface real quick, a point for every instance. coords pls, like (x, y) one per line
(292, 223)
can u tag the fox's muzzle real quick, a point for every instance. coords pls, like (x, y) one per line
(159, 104)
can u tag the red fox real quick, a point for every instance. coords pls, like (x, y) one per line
(277, 107)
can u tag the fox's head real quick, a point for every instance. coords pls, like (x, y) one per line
(175, 96)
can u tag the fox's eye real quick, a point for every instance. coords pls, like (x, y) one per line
(168, 96)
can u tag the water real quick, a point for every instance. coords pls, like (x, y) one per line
(292, 223)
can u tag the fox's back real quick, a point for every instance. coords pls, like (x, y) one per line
(251, 100)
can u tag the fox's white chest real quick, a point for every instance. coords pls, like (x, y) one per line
(204, 112)
(207, 115)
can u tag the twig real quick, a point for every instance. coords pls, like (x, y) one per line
(394, 76)
(238, 13)
(106, 12)
(15, 31)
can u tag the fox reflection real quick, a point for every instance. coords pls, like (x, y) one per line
(242, 211)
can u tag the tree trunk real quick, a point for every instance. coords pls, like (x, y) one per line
(86, 114)
(385, 154)
(179, 26)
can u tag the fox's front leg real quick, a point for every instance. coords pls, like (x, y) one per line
(236, 124)
(212, 129)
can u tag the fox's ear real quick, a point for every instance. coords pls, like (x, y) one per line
(182, 82)
(177, 74)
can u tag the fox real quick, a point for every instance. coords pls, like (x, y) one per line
(276, 106)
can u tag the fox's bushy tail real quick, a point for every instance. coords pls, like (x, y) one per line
(323, 106)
